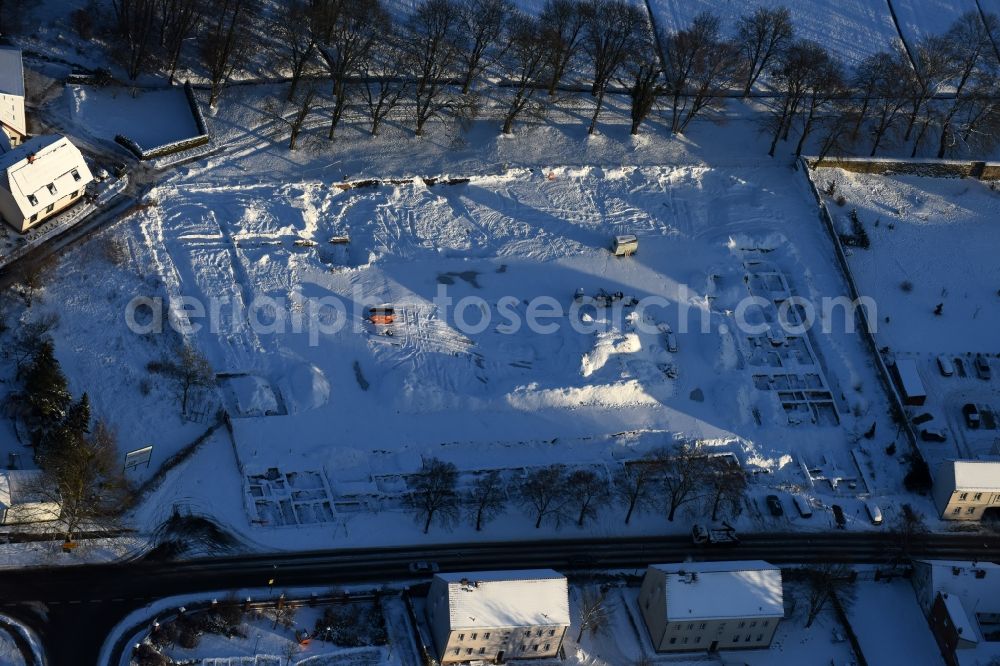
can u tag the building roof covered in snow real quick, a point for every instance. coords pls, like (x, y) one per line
(18, 486)
(977, 584)
(977, 475)
(11, 72)
(529, 598)
(42, 171)
(715, 590)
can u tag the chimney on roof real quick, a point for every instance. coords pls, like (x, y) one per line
(31, 158)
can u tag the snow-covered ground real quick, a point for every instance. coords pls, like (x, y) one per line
(151, 117)
(852, 29)
(919, 19)
(889, 625)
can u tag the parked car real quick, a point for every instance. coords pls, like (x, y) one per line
(424, 567)
(774, 506)
(671, 340)
(874, 513)
(922, 418)
(933, 435)
(802, 506)
(715, 536)
(982, 367)
(838, 516)
(945, 365)
(972, 417)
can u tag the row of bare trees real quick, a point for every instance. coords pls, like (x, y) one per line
(664, 480)
(944, 89)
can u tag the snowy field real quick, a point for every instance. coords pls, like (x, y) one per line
(151, 117)
(852, 29)
(919, 19)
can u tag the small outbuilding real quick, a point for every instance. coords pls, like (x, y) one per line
(911, 387)
(624, 246)
(21, 500)
(40, 178)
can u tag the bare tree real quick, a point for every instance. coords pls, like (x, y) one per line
(610, 36)
(972, 57)
(225, 42)
(890, 97)
(588, 492)
(726, 484)
(432, 492)
(699, 66)
(908, 528)
(922, 84)
(433, 47)
(594, 616)
(527, 59)
(293, 113)
(487, 498)
(825, 582)
(761, 36)
(134, 21)
(178, 19)
(349, 44)
(543, 491)
(825, 86)
(562, 24)
(481, 24)
(33, 276)
(636, 482)
(797, 67)
(189, 371)
(296, 39)
(646, 75)
(85, 480)
(383, 81)
(683, 476)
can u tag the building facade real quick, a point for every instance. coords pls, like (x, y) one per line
(710, 606)
(498, 616)
(967, 489)
(13, 125)
(39, 179)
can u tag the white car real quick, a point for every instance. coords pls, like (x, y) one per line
(945, 365)
(874, 513)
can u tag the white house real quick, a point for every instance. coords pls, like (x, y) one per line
(40, 178)
(498, 615)
(12, 121)
(711, 606)
(20, 500)
(967, 489)
(962, 603)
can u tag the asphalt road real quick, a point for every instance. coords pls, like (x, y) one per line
(83, 603)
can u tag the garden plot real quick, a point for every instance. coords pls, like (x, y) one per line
(279, 498)
(149, 117)
(852, 30)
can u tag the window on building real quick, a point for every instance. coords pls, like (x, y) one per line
(34, 217)
(50, 208)
(957, 510)
(963, 496)
(971, 510)
(458, 650)
(673, 639)
(552, 632)
(742, 624)
(685, 640)
(764, 623)
(461, 637)
(486, 636)
(547, 647)
(760, 637)
(748, 638)
(523, 647)
(472, 637)
(534, 647)
(527, 634)
(736, 639)
(32, 199)
(51, 187)
(539, 633)
(697, 639)
(482, 650)
(691, 626)
(468, 650)
(753, 624)
(977, 496)
(701, 626)
(76, 175)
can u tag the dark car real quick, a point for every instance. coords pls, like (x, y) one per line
(838, 516)
(774, 506)
(971, 414)
(423, 567)
(933, 435)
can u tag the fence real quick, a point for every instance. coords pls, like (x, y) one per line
(911, 167)
(173, 147)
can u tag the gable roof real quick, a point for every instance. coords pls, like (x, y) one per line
(11, 72)
(715, 590)
(485, 599)
(977, 475)
(29, 170)
(977, 584)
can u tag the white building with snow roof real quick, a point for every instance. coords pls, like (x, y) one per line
(498, 615)
(967, 489)
(711, 606)
(40, 178)
(13, 125)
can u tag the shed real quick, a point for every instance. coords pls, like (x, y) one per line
(21, 501)
(625, 245)
(908, 380)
